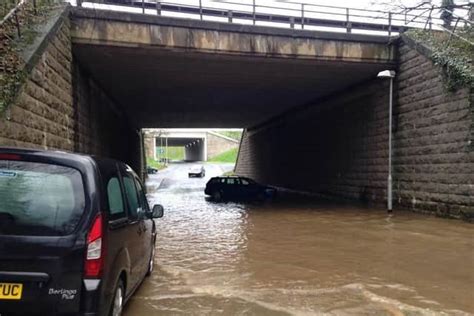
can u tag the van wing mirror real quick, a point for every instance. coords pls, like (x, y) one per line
(157, 211)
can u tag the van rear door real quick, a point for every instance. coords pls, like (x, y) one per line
(41, 255)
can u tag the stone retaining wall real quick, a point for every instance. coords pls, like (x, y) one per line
(43, 114)
(61, 107)
(217, 145)
(101, 128)
(339, 145)
(434, 156)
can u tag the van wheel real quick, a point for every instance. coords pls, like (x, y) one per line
(217, 196)
(151, 262)
(117, 302)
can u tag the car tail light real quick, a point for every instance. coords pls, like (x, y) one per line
(95, 250)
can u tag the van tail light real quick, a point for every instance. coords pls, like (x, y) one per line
(9, 157)
(94, 262)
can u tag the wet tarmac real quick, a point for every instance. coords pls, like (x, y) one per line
(300, 257)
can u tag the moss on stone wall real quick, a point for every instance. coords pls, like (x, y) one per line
(452, 54)
(12, 65)
(6, 6)
(471, 104)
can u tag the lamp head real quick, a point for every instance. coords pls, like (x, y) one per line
(386, 74)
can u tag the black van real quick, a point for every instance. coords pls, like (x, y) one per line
(77, 236)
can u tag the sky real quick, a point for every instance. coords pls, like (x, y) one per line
(361, 4)
(293, 7)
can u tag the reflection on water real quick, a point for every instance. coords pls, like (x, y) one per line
(302, 259)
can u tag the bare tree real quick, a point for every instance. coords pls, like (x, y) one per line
(447, 7)
(427, 9)
(401, 6)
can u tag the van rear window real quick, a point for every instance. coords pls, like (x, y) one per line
(38, 199)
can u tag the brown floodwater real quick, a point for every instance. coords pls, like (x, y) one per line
(301, 258)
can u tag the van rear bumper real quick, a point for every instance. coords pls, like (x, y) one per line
(42, 304)
(90, 297)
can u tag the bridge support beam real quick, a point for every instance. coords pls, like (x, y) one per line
(131, 30)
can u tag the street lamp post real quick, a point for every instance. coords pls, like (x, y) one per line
(390, 74)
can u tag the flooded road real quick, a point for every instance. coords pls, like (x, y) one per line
(295, 258)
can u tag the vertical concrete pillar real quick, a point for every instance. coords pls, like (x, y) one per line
(201, 150)
(142, 164)
(150, 146)
(154, 147)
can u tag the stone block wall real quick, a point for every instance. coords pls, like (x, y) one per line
(43, 114)
(217, 144)
(150, 146)
(433, 152)
(100, 127)
(339, 146)
(61, 107)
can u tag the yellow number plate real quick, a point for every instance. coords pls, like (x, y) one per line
(10, 291)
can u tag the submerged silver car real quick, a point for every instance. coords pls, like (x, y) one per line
(197, 171)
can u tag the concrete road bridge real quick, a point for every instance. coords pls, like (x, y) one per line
(198, 144)
(314, 113)
(192, 73)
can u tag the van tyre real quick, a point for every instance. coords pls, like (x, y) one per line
(117, 302)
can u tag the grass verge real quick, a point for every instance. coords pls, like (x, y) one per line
(155, 164)
(174, 153)
(229, 156)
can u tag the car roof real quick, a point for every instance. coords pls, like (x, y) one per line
(40, 153)
(57, 155)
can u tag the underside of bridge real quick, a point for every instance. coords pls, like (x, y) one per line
(194, 147)
(159, 88)
(314, 114)
(214, 75)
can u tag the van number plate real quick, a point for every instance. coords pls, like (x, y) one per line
(10, 291)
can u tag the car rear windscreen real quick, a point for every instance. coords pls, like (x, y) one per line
(38, 199)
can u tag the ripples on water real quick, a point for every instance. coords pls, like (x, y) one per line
(302, 259)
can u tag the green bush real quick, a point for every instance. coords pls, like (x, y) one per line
(6, 6)
(155, 164)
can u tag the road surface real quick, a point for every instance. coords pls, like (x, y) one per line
(300, 258)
